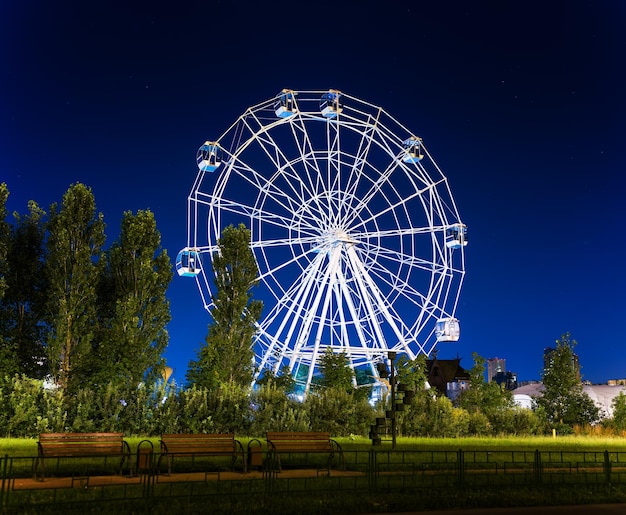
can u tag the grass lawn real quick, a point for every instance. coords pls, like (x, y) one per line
(28, 446)
(383, 499)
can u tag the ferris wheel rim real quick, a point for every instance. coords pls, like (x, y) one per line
(310, 247)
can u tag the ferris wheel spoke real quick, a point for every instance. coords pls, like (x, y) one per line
(402, 201)
(272, 270)
(399, 258)
(372, 298)
(429, 303)
(289, 308)
(360, 160)
(346, 295)
(398, 232)
(280, 162)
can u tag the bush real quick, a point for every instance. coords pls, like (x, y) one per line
(273, 410)
(337, 411)
(28, 409)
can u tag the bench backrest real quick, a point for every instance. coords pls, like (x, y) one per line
(300, 441)
(74, 444)
(198, 443)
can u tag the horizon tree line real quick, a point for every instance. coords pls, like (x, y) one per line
(94, 320)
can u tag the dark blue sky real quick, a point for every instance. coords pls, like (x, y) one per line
(520, 103)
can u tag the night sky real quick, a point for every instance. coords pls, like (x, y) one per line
(522, 105)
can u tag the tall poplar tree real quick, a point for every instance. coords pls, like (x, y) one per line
(134, 309)
(8, 358)
(4, 236)
(228, 357)
(75, 239)
(24, 300)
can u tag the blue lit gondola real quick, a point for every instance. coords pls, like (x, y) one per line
(188, 263)
(412, 150)
(456, 236)
(209, 156)
(285, 104)
(330, 104)
(448, 330)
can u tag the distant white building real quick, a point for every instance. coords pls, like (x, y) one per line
(524, 395)
(601, 394)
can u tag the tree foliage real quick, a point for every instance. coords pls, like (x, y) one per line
(227, 356)
(22, 308)
(75, 239)
(133, 307)
(335, 371)
(563, 402)
(4, 236)
(486, 397)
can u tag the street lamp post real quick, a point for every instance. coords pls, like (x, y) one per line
(392, 383)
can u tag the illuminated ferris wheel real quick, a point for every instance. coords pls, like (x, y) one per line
(358, 240)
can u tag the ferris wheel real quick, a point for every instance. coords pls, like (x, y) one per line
(357, 237)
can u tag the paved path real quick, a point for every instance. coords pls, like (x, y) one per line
(591, 509)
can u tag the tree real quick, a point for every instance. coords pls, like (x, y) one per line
(24, 300)
(228, 356)
(563, 401)
(619, 412)
(335, 371)
(133, 308)
(75, 238)
(482, 396)
(283, 381)
(4, 236)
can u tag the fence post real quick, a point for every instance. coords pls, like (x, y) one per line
(537, 466)
(4, 475)
(372, 470)
(460, 463)
(607, 467)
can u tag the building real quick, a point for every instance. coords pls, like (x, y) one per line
(495, 366)
(447, 376)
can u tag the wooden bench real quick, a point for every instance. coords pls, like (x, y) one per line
(86, 445)
(302, 443)
(192, 445)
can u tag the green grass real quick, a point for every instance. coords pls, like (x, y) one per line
(415, 496)
(28, 446)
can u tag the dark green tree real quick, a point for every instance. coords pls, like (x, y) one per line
(8, 358)
(228, 357)
(133, 308)
(4, 236)
(412, 373)
(619, 412)
(335, 371)
(23, 304)
(564, 403)
(282, 381)
(75, 239)
(482, 397)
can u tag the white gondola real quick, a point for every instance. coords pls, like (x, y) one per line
(447, 330)
(330, 104)
(188, 262)
(456, 236)
(412, 150)
(285, 104)
(209, 156)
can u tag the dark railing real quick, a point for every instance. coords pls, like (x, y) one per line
(74, 481)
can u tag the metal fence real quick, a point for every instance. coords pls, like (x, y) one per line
(72, 482)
